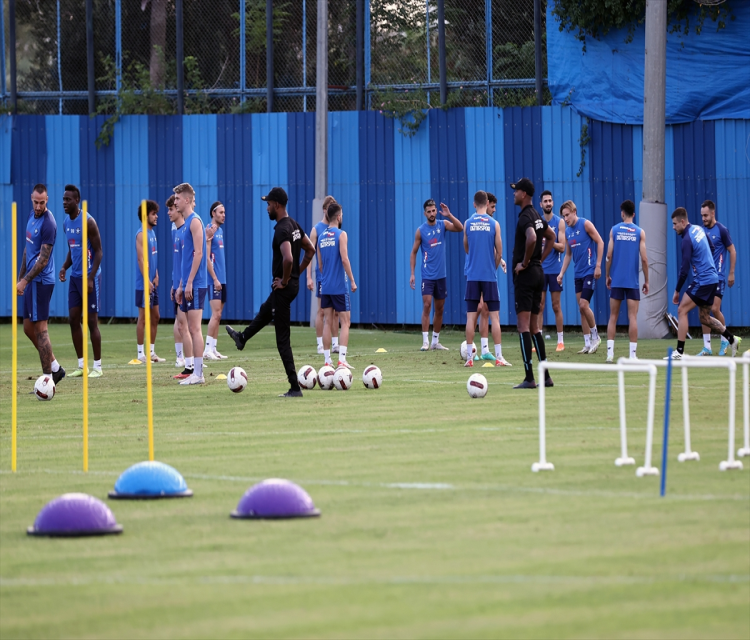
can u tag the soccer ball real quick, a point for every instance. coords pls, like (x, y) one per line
(44, 387)
(477, 385)
(342, 379)
(236, 379)
(372, 377)
(307, 377)
(464, 351)
(325, 377)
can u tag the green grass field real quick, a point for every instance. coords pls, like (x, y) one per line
(432, 526)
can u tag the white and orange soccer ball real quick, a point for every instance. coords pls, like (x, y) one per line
(372, 377)
(307, 377)
(236, 379)
(325, 377)
(477, 385)
(44, 387)
(342, 379)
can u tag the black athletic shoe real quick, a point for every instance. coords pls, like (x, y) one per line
(58, 375)
(526, 385)
(548, 382)
(239, 341)
(292, 393)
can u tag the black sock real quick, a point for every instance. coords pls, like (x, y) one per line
(680, 346)
(525, 338)
(541, 350)
(728, 335)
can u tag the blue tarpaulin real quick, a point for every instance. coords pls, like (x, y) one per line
(708, 75)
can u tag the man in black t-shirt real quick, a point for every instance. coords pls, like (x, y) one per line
(288, 241)
(528, 277)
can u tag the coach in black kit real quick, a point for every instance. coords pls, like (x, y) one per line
(288, 241)
(529, 251)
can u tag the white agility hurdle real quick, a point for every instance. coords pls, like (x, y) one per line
(745, 449)
(624, 459)
(706, 363)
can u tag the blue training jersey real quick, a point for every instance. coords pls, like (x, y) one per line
(697, 254)
(320, 227)
(720, 238)
(200, 281)
(217, 256)
(553, 264)
(39, 231)
(177, 254)
(626, 255)
(335, 281)
(433, 250)
(480, 261)
(73, 232)
(582, 247)
(153, 259)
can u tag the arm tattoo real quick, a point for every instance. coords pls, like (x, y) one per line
(41, 262)
(23, 265)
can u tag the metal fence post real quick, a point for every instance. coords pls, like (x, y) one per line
(12, 43)
(91, 79)
(488, 44)
(269, 55)
(243, 53)
(118, 45)
(2, 53)
(304, 54)
(427, 29)
(441, 52)
(59, 64)
(360, 53)
(538, 50)
(368, 56)
(180, 58)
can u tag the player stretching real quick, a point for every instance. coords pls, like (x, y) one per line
(315, 232)
(430, 238)
(696, 253)
(183, 343)
(73, 232)
(580, 237)
(483, 245)
(722, 241)
(216, 265)
(551, 267)
(36, 280)
(152, 217)
(191, 294)
(627, 243)
(336, 271)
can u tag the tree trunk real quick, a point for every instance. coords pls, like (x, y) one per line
(158, 42)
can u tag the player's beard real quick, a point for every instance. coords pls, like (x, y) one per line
(547, 211)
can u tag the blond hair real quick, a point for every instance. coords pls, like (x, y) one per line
(185, 188)
(328, 201)
(568, 204)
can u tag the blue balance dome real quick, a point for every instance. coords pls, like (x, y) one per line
(150, 480)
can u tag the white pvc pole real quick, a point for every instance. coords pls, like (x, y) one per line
(624, 459)
(688, 454)
(745, 450)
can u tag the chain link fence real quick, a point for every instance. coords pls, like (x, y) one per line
(489, 47)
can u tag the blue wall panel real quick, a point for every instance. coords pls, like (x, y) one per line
(343, 184)
(413, 186)
(6, 201)
(450, 184)
(377, 219)
(235, 170)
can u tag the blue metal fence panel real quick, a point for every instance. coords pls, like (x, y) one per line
(485, 160)
(6, 146)
(413, 186)
(301, 172)
(377, 219)
(450, 184)
(6, 202)
(732, 197)
(343, 183)
(97, 171)
(234, 169)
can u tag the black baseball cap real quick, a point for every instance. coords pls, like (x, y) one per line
(277, 194)
(524, 184)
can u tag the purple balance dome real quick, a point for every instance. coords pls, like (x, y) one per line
(274, 499)
(72, 515)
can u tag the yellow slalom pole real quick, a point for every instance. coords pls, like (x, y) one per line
(147, 329)
(85, 330)
(14, 331)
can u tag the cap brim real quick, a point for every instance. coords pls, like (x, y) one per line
(513, 186)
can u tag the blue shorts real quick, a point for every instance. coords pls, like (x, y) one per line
(624, 293)
(36, 298)
(486, 290)
(199, 297)
(75, 293)
(550, 282)
(213, 294)
(154, 298)
(339, 301)
(438, 289)
(720, 288)
(585, 286)
(319, 289)
(702, 296)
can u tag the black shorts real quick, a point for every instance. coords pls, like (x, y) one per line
(529, 288)
(720, 288)
(550, 282)
(438, 289)
(585, 286)
(484, 290)
(221, 294)
(703, 296)
(624, 293)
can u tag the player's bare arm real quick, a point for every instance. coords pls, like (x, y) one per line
(95, 240)
(209, 262)
(565, 264)
(466, 242)
(44, 253)
(309, 248)
(549, 236)
(313, 240)
(528, 250)
(644, 262)
(22, 272)
(452, 223)
(413, 256)
(499, 248)
(66, 265)
(560, 240)
(594, 235)
(196, 230)
(287, 262)
(139, 257)
(344, 253)
(732, 262)
(610, 252)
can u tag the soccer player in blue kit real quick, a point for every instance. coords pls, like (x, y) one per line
(430, 237)
(697, 253)
(627, 244)
(152, 217)
(183, 343)
(722, 241)
(551, 267)
(36, 280)
(73, 226)
(217, 271)
(581, 237)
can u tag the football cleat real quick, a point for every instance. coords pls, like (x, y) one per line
(335, 348)
(560, 346)
(486, 356)
(526, 385)
(292, 393)
(220, 356)
(179, 363)
(705, 352)
(595, 345)
(320, 350)
(185, 373)
(239, 341)
(469, 363)
(502, 362)
(193, 379)
(736, 345)
(345, 364)
(210, 355)
(96, 373)
(610, 360)
(438, 347)
(676, 355)
(78, 373)
(548, 382)
(60, 373)
(425, 346)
